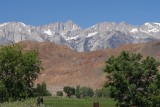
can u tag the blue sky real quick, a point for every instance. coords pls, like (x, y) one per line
(85, 13)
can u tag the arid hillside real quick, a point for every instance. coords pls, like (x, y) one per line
(63, 66)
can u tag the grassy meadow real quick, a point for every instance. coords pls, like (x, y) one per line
(61, 102)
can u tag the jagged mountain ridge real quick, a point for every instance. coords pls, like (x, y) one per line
(100, 36)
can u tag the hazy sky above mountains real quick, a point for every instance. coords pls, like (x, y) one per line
(85, 13)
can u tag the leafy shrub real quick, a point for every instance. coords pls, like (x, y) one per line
(104, 92)
(87, 92)
(59, 93)
(83, 92)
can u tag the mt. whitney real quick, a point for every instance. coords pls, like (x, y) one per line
(99, 36)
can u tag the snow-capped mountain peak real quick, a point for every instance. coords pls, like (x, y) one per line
(99, 36)
(22, 24)
(157, 24)
(3, 24)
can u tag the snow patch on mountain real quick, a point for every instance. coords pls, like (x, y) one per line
(134, 30)
(137, 37)
(149, 25)
(63, 34)
(91, 34)
(157, 24)
(29, 31)
(48, 32)
(72, 38)
(23, 24)
(153, 30)
(93, 26)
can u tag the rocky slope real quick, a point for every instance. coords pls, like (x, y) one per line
(63, 66)
(100, 36)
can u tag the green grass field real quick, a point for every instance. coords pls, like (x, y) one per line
(62, 102)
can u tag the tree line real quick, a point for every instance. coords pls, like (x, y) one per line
(82, 92)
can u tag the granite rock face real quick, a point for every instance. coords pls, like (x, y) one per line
(99, 36)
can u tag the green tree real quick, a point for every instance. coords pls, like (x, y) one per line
(59, 93)
(69, 91)
(78, 91)
(41, 90)
(18, 71)
(133, 81)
